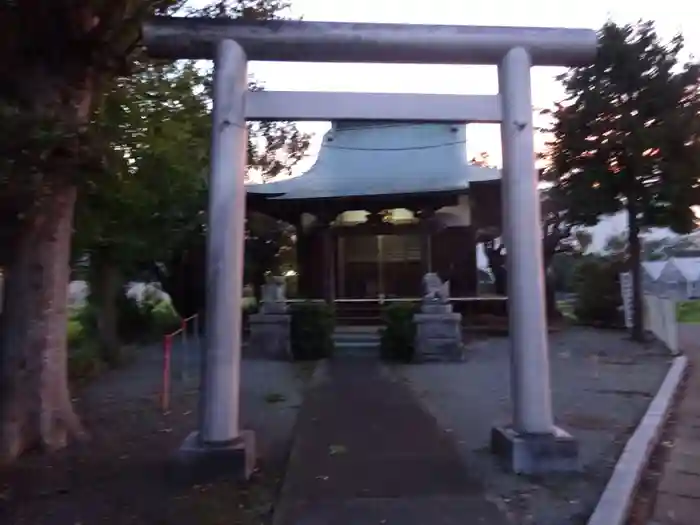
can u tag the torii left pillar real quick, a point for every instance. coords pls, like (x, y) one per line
(220, 447)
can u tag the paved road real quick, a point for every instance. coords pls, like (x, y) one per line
(367, 452)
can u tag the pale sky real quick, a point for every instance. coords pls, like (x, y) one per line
(671, 16)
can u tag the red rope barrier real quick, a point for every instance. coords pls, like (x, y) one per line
(167, 359)
(167, 351)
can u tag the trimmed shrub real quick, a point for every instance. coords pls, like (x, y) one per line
(598, 297)
(312, 327)
(397, 341)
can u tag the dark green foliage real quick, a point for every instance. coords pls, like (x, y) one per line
(267, 241)
(627, 138)
(598, 297)
(398, 336)
(562, 271)
(76, 331)
(312, 328)
(84, 363)
(137, 321)
(145, 320)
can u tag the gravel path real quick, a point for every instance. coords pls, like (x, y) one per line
(602, 384)
(271, 391)
(120, 475)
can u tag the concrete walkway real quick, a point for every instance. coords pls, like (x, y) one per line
(365, 452)
(678, 493)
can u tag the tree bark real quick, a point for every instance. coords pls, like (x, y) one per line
(184, 279)
(553, 313)
(550, 245)
(54, 101)
(105, 286)
(258, 283)
(635, 257)
(35, 403)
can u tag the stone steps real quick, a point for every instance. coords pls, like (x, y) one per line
(357, 341)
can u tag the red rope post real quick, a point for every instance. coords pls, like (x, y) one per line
(185, 349)
(167, 350)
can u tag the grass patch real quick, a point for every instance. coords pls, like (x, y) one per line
(688, 312)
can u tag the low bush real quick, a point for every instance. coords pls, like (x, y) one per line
(397, 341)
(598, 297)
(137, 321)
(312, 328)
(76, 331)
(145, 320)
(84, 363)
(163, 317)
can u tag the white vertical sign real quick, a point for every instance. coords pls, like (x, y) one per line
(626, 291)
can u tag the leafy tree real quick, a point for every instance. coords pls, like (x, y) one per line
(626, 138)
(617, 246)
(274, 148)
(558, 237)
(152, 195)
(58, 59)
(57, 56)
(597, 287)
(266, 239)
(483, 160)
(583, 240)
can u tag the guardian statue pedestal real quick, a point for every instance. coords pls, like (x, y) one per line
(438, 328)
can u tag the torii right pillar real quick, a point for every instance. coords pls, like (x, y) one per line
(531, 444)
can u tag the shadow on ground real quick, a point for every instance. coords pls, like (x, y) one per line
(121, 475)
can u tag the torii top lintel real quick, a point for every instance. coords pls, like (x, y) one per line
(300, 41)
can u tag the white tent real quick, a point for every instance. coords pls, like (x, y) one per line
(679, 278)
(651, 270)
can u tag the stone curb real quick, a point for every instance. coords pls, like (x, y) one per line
(615, 502)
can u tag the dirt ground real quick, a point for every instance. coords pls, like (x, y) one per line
(120, 476)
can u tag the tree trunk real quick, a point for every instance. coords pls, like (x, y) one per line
(550, 293)
(258, 283)
(553, 313)
(635, 257)
(184, 279)
(35, 403)
(105, 286)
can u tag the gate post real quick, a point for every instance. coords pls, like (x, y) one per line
(220, 447)
(532, 444)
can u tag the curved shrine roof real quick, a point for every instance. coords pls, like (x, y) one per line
(359, 159)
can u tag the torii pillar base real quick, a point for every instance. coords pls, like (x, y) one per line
(533, 454)
(198, 462)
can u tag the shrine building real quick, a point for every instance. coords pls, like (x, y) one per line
(384, 204)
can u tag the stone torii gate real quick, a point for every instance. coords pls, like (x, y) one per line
(532, 443)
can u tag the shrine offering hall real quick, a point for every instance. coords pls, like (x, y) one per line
(384, 204)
